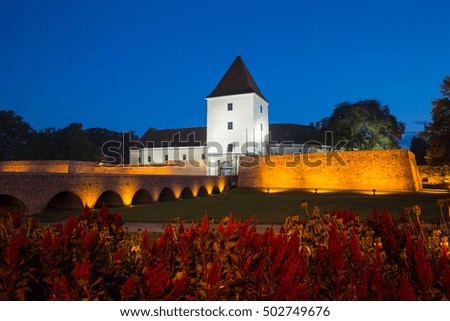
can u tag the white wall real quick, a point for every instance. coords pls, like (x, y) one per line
(246, 118)
(261, 118)
(158, 154)
(134, 156)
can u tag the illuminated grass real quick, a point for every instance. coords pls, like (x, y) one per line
(269, 208)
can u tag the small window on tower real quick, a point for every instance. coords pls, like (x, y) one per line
(149, 159)
(230, 148)
(166, 157)
(230, 106)
(203, 156)
(230, 125)
(261, 127)
(184, 156)
(260, 109)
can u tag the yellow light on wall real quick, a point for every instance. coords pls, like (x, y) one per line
(209, 187)
(127, 198)
(177, 192)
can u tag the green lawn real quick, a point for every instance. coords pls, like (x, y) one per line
(270, 208)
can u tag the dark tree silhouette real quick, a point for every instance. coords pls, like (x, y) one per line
(15, 136)
(437, 133)
(366, 124)
(419, 148)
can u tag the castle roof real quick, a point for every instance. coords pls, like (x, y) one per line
(196, 136)
(295, 133)
(237, 80)
(174, 137)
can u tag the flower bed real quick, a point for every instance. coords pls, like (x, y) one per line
(327, 257)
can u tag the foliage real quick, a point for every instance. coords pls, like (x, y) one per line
(366, 125)
(326, 257)
(15, 136)
(69, 143)
(419, 148)
(18, 141)
(437, 133)
(106, 140)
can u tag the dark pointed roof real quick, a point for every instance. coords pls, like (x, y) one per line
(237, 80)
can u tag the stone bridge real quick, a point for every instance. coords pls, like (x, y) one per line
(33, 193)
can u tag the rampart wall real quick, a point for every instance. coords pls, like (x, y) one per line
(174, 168)
(386, 170)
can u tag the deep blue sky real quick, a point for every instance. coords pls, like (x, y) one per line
(131, 65)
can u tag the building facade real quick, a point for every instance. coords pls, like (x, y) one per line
(237, 125)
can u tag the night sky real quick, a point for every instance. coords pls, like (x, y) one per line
(131, 65)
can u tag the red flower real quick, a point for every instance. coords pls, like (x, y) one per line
(189, 233)
(86, 212)
(406, 292)
(15, 218)
(128, 288)
(12, 252)
(377, 280)
(354, 248)
(157, 281)
(46, 241)
(335, 249)
(117, 220)
(69, 226)
(118, 255)
(145, 243)
(423, 268)
(204, 227)
(213, 273)
(82, 272)
(65, 288)
(179, 287)
(58, 228)
(89, 239)
(56, 243)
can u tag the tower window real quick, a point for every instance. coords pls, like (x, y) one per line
(166, 157)
(184, 156)
(261, 127)
(230, 148)
(230, 106)
(149, 159)
(203, 156)
(260, 109)
(230, 125)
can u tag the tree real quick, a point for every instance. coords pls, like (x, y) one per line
(437, 133)
(120, 142)
(15, 136)
(366, 125)
(419, 148)
(69, 143)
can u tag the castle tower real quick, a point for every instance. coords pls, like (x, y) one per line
(237, 120)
